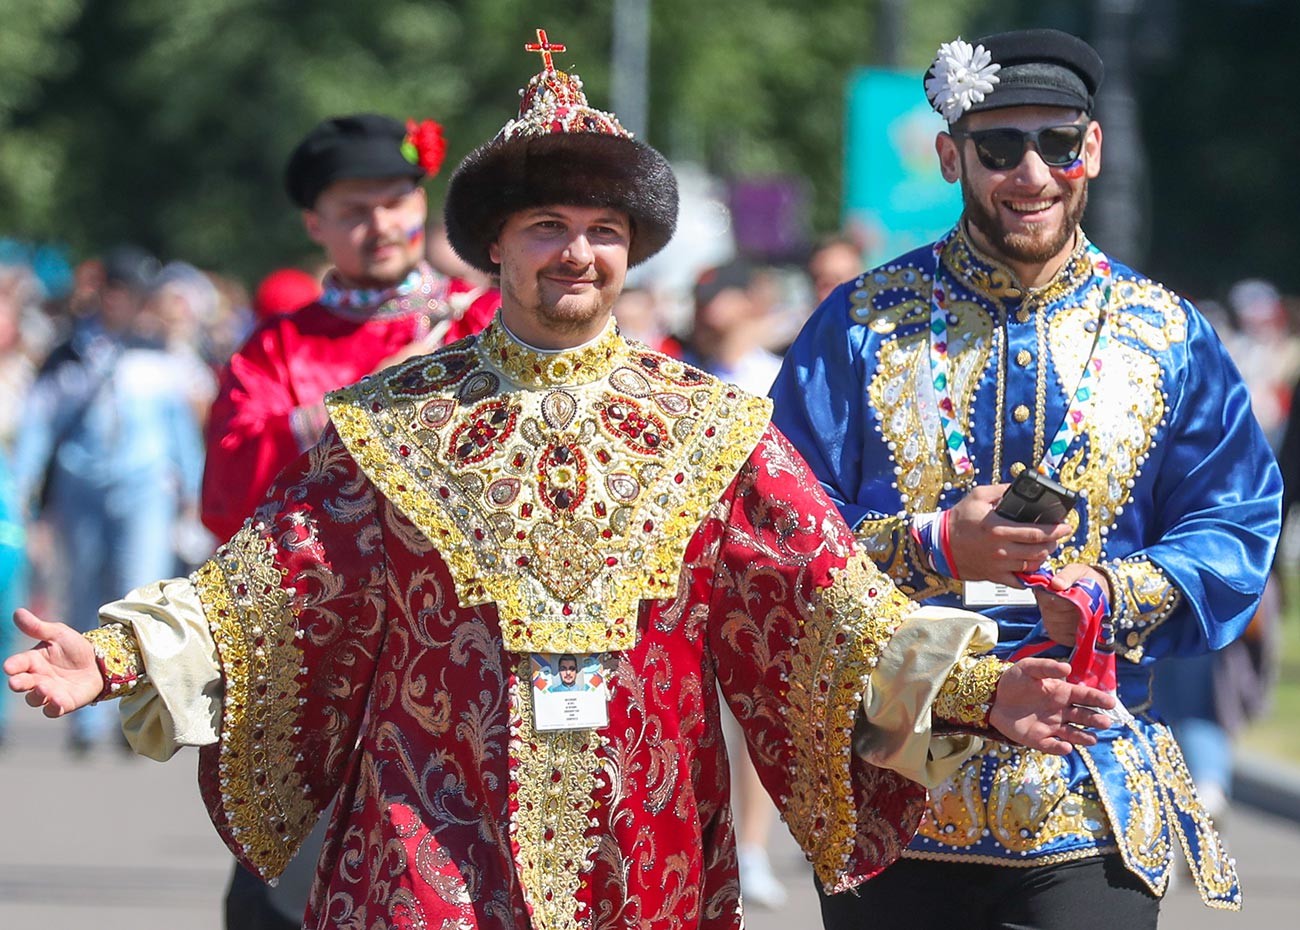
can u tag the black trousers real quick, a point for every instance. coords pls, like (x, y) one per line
(916, 894)
(249, 908)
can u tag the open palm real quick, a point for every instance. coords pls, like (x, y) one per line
(1036, 707)
(60, 674)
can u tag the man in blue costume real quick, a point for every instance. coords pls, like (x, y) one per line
(1013, 347)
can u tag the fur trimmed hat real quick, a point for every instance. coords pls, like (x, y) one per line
(560, 150)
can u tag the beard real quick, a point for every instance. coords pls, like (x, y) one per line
(570, 313)
(1025, 248)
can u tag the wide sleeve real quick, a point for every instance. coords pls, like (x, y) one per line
(801, 627)
(263, 657)
(820, 403)
(1217, 501)
(252, 432)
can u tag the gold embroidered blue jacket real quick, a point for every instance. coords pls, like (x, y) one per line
(1179, 499)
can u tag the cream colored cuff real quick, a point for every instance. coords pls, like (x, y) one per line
(897, 731)
(179, 703)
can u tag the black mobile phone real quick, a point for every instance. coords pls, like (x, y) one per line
(1035, 498)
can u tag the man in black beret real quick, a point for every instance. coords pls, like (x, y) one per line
(546, 488)
(1013, 350)
(357, 180)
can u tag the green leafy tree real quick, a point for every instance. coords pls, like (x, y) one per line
(167, 122)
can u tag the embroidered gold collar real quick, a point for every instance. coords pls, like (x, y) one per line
(564, 500)
(530, 368)
(986, 275)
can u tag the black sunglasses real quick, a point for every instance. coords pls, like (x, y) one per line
(1002, 149)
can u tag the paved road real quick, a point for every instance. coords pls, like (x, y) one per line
(122, 843)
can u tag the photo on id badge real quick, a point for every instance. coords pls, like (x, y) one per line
(569, 691)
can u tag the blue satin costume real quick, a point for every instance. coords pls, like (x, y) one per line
(1179, 507)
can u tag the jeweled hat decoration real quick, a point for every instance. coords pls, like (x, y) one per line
(363, 145)
(559, 150)
(1027, 67)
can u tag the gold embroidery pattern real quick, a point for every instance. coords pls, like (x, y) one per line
(1125, 415)
(1143, 598)
(1029, 807)
(564, 507)
(552, 782)
(990, 277)
(550, 369)
(1214, 871)
(967, 695)
(252, 621)
(1146, 836)
(119, 658)
(1029, 802)
(833, 658)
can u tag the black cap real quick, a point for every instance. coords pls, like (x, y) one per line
(365, 145)
(737, 273)
(130, 266)
(1040, 67)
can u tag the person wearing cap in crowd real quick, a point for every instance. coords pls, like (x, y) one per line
(109, 454)
(357, 180)
(542, 489)
(1013, 349)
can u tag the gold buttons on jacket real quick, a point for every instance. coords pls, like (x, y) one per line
(1024, 357)
(1021, 413)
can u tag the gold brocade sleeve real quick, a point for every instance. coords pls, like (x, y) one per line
(927, 670)
(1142, 598)
(118, 656)
(835, 656)
(889, 543)
(252, 618)
(158, 634)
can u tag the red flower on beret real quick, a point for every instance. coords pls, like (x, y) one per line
(424, 145)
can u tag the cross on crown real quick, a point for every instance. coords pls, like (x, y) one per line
(544, 47)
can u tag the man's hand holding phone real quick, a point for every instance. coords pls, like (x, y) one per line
(989, 547)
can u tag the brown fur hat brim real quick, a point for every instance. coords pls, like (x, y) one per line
(566, 168)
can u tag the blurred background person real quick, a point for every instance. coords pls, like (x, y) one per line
(110, 454)
(382, 303)
(834, 260)
(729, 328)
(639, 317)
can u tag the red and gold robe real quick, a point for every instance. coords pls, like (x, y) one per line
(268, 408)
(372, 626)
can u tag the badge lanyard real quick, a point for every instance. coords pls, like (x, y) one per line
(954, 437)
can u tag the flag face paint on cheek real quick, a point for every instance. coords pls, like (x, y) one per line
(415, 233)
(1074, 170)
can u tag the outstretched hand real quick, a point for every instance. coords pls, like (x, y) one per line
(60, 674)
(1036, 707)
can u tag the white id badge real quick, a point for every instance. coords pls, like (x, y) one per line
(570, 691)
(991, 594)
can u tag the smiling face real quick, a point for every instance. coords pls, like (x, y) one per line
(1026, 215)
(371, 228)
(562, 268)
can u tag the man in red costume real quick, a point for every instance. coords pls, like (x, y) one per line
(357, 180)
(547, 489)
